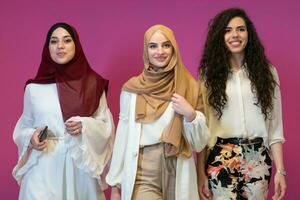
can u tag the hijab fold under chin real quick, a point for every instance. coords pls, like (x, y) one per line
(79, 86)
(155, 89)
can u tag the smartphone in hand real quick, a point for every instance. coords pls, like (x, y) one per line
(43, 134)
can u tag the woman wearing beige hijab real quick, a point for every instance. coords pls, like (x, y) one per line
(158, 127)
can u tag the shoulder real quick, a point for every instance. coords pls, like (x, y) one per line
(126, 96)
(274, 73)
(39, 88)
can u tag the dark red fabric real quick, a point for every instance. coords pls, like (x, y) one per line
(79, 87)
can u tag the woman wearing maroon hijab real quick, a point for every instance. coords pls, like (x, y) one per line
(65, 133)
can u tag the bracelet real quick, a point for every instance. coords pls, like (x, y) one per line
(281, 172)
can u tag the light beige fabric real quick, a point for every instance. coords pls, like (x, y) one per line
(155, 89)
(156, 174)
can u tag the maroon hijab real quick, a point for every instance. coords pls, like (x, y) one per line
(79, 87)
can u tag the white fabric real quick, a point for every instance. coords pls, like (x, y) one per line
(70, 166)
(156, 128)
(125, 154)
(241, 117)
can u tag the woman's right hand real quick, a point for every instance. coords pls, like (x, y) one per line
(203, 188)
(35, 142)
(115, 194)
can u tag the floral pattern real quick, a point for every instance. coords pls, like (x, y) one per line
(239, 171)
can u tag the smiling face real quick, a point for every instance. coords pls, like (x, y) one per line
(236, 36)
(160, 50)
(61, 46)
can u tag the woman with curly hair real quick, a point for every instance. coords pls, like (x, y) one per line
(242, 104)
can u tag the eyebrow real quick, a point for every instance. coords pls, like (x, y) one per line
(163, 42)
(66, 36)
(237, 26)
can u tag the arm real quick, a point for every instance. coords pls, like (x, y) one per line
(91, 147)
(24, 133)
(194, 123)
(203, 187)
(279, 179)
(275, 141)
(114, 176)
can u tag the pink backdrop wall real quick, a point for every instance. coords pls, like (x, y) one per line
(111, 33)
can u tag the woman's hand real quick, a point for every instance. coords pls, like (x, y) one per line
(115, 194)
(280, 186)
(181, 106)
(35, 141)
(73, 128)
(203, 188)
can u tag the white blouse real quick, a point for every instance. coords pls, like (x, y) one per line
(151, 132)
(241, 117)
(123, 166)
(76, 160)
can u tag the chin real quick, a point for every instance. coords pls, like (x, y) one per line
(61, 62)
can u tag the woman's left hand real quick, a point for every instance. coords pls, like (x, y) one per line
(280, 186)
(73, 128)
(181, 106)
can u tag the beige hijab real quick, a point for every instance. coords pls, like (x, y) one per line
(155, 88)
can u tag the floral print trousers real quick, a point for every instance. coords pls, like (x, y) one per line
(239, 170)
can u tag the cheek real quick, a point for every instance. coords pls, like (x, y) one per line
(150, 53)
(246, 40)
(52, 52)
(169, 51)
(226, 37)
(72, 51)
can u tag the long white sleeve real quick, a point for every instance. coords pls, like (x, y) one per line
(196, 132)
(119, 153)
(91, 151)
(22, 134)
(275, 129)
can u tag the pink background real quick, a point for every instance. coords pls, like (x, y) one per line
(111, 33)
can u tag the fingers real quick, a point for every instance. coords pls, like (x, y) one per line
(73, 128)
(176, 95)
(207, 193)
(280, 188)
(282, 191)
(36, 144)
(42, 145)
(176, 98)
(182, 107)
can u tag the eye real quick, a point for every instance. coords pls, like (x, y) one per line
(242, 29)
(152, 46)
(53, 41)
(68, 40)
(168, 45)
(227, 30)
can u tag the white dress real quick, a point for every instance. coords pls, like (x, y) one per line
(70, 166)
(123, 167)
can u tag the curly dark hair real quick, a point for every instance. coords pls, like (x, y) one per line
(215, 68)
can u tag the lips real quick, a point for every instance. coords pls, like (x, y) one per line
(236, 43)
(61, 54)
(160, 58)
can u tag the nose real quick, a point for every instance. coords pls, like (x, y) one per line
(61, 45)
(161, 50)
(234, 33)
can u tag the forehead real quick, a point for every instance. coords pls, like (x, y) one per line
(158, 36)
(236, 21)
(60, 32)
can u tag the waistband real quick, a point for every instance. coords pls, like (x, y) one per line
(240, 141)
